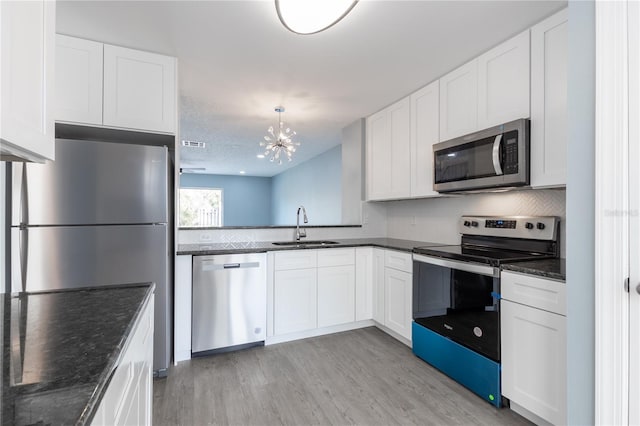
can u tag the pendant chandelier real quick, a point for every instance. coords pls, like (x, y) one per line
(279, 143)
(312, 16)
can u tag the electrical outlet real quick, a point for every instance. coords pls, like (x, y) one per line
(365, 218)
(413, 220)
(205, 237)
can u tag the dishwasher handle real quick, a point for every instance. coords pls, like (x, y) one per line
(220, 266)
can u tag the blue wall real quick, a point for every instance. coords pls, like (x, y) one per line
(246, 199)
(581, 215)
(315, 184)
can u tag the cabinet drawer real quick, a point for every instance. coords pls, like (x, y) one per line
(336, 257)
(298, 259)
(546, 294)
(398, 260)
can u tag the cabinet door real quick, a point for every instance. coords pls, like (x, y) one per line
(364, 283)
(459, 101)
(139, 90)
(425, 124)
(398, 286)
(503, 82)
(378, 285)
(336, 295)
(78, 80)
(549, 55)
(400, 131)
(533, 345)
(27, 80)
(295, 301)
(378, 152)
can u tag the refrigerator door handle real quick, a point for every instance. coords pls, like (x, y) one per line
(24, 257)
(20, 205)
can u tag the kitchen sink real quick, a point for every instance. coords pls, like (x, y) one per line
(304, 243)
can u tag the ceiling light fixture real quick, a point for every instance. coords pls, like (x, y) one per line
(279, 142)
(312, 16)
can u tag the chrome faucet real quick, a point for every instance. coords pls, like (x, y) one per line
(301, 233)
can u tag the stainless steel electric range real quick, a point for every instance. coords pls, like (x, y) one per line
(456, 295)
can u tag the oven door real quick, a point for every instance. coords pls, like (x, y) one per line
(460, 301)
(494, 157)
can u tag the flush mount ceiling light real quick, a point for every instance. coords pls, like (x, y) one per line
(279, 143)
(312, 16)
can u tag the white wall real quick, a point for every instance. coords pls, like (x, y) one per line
(435, 219)
(352, 167)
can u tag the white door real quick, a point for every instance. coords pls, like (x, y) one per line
(533, 358)
(398, 286)
(139, 90)
(27, 79)
(295, 300)
(503, 82)
(425, 124)
(378, 153)
(400, 131)
(78, 80)
(364, 283)
(459, 101)
(378, 286)
(336, 295)
(549, 65)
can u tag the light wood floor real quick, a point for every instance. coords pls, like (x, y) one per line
(362, 377)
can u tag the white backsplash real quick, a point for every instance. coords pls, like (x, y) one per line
(435, 219)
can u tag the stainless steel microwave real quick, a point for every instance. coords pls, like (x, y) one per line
(492, 158)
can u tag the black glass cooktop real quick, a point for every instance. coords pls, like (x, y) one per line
(477, 254)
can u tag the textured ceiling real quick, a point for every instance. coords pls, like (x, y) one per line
(237, 62)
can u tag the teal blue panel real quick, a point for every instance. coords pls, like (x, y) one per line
(472, 370)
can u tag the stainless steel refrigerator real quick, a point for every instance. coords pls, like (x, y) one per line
(97, 216)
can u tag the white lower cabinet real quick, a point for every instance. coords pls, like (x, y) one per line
(393, 290)
(336, 295)
(364, 283)
(295, 300)
(128, 398)
(533, 343)
(398, 289)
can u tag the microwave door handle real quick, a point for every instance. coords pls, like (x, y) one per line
(496, 155)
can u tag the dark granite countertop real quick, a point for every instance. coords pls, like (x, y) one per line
(60, 348)
(545, 268)
(264, 246)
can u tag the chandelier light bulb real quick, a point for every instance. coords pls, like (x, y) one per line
(278, 146)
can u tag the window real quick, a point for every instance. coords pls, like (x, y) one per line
(200, 207)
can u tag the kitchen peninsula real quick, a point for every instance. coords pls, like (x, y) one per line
(63, 350)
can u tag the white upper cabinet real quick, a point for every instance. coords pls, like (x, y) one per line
(503, 82)
(549, 51)
(103, 85)
(388, 152)
(27, 82)
(139, 90)
(459, 101)
(78, 80)
(424, 134)
(489, 90)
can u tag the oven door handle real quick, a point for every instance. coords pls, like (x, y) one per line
(460, 266)
(496, 155)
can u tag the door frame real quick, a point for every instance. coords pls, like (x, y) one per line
(616, 195)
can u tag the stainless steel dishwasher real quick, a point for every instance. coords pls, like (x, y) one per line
(229, 302)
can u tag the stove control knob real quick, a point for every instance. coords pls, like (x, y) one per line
(467, 223)
(474, 224)
(528, 225)
(540, 226)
